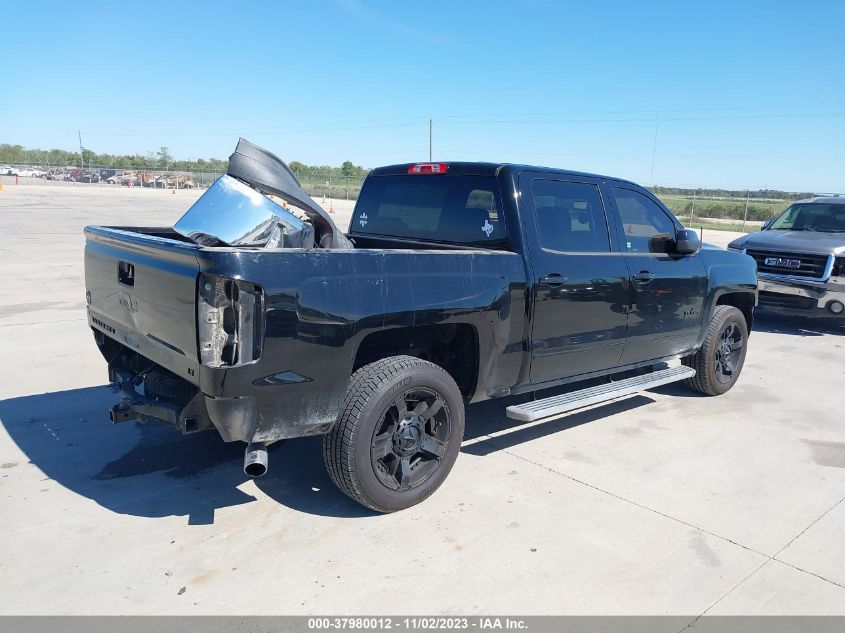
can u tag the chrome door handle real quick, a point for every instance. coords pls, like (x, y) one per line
(643, 276)
(553, 280)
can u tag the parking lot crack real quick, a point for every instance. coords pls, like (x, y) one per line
(692, 622)
(634, 503)
(801, 533)
(767, 557)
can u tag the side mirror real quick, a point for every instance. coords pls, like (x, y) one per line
(687, 242)
(766, 225)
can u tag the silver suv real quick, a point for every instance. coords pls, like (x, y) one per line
(800, 258)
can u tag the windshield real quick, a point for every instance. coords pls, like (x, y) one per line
(437, 208)
(815, 216)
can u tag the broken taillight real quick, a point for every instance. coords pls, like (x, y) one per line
(230, 321)
(428, 168)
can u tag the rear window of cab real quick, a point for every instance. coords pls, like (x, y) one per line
(457, 209)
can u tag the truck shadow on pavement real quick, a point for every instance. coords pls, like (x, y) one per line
(795, 326)
(152, 470)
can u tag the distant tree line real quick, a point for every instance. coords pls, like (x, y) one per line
(162, 159)
(347, 169)
(733, 208)
(771, 194)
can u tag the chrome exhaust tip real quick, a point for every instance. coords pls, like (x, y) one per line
(255, 459)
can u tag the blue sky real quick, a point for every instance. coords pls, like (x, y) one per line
(739, 95)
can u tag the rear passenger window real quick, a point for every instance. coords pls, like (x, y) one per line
(570, 216)
(642, 221)
(461, 209)
(482, 199)
(422, 216)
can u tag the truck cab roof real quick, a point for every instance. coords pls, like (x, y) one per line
(837, 199)
(480, 168)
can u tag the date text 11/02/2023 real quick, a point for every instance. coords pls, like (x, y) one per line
(416, 623)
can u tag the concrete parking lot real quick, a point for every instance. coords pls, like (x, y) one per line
(662, 503)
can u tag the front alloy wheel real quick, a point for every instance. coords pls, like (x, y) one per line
(719, 360)
(728, 353)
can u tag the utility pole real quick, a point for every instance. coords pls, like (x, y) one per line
(654, 145)
(429, 140)
(81, 155)
(692, 213)
(745, 219)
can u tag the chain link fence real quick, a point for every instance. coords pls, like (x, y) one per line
(323, 184)
(334, 184)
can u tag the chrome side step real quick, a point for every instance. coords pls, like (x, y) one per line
(555, 405)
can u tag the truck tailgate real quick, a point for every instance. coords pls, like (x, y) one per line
(141, 292)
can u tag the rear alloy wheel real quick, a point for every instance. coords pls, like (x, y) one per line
(409, 443)
(398, 435)
(719, 361)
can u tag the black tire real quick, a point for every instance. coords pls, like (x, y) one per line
(719, 361)
(370, 452)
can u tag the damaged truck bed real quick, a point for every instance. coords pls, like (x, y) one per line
(456, 283)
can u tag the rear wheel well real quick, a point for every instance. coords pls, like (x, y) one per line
(743, 301)
(452, 346)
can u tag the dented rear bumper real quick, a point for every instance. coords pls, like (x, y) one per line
(149, 392)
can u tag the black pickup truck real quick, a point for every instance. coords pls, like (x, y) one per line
(456, 283)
